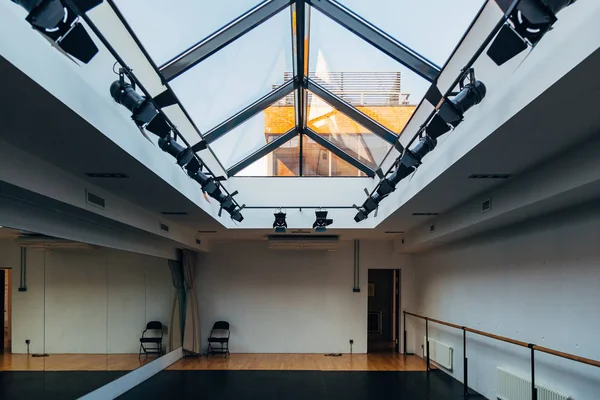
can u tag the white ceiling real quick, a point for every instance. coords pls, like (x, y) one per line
(563, 116)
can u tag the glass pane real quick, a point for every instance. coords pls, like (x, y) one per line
(353, 138)
(283, 161)
(362, 75)
(255, 133)
(238, 74)
(432, 28)
(318, 161)
(167, 28)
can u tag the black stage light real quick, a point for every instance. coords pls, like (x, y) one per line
(182, 155)
(211, 187)
(60, 24)
(279, 225)
(452, 110)
(528, 22)
(207, 183)
(413, 157)
(322, 222)
(142, 109)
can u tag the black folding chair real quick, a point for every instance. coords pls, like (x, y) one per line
(219, 335)
(150, 342)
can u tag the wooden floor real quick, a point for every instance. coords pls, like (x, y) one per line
(303, 362)
(72, 362)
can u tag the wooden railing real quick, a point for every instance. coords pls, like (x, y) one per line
(465, 329)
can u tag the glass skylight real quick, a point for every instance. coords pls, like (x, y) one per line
(238, 74)
(168, 28)
(241, 86)
(345, 133)
(430, 27)
(255, 133)
(283, 161)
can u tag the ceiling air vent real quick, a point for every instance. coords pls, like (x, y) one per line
(486, 205)
(94, 200)
(425, 214)
(198, 241)
(297, 242)
(174, 213)
(164, 227)
(110, 175)
(490, 176)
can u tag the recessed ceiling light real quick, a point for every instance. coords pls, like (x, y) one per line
(490, 176)
(394, 232)
(114, 175)
(174, 213)
(424, 214)
(207, 231)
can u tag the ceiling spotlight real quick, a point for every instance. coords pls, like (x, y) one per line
(527, 24)
(60, 24)
(280, 225)
(143, 110)
(322, 222)
(452, 110)
(210, 185)
(207, 183)
(182, 155)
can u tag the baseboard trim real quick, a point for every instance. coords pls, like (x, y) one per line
(119, 386)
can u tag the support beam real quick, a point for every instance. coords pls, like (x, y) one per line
(339, 152)
(350, 111)
(257, 155)
(390, 46)
(221, 38)
(246, 113)
(300, 79)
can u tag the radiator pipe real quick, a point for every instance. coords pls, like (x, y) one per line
(356, 287)
(23, 271)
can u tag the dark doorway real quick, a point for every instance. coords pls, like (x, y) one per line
(383, 309)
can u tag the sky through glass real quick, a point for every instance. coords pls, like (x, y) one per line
(262, 59)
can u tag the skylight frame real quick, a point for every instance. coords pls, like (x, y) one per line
(301, 83)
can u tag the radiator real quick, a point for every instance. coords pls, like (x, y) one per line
(515, 387)
(441, 353)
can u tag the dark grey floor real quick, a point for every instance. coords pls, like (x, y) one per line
(51, 385)
(292, 385)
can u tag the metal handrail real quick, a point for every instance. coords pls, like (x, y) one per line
(465, 329)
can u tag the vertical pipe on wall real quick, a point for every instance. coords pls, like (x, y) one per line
(404, 325)
(427, 342)
(23, 271)
(356, 287)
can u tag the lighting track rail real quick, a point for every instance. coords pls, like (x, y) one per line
(444, 115)
(159, 110)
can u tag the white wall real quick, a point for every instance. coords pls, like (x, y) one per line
(86, 300)
(280, 301)
(538, 281)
